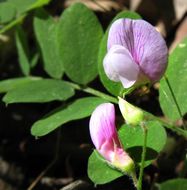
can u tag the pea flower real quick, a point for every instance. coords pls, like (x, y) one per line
(137, 53)
(105, 138)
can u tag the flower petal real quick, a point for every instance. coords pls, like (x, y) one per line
(103, 130)
(145, 44)
(121, 33)
(151, 51)
(119, 66)
(104, 136)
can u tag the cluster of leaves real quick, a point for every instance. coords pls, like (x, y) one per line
(75, 45)
(17, 10)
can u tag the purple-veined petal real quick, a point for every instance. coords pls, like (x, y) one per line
(120, 66)
(121, 33)
(151, 50)
(103, 130)
(105, 138)
(145, 44)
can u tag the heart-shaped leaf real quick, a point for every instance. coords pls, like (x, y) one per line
(132, 139)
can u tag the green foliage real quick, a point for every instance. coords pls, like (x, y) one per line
(23, 50)
(79, 35)
(174, 184)
(6, 16)
(132, 140)
(14, 83)
(75, 45)
(34, 60)
(79, 109)
(114, 88)
(21, 5)
(177, 77)
(46, 32)
(133, 136)
(99, 171)
(27, 5)
(40, 91)
(9, 9)
(37, 4)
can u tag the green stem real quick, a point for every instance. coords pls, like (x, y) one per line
(167, 124)
(109, 98)
(139, 185)
(94, 92)
(174, 99)
(13, 23)
(178, 130)
(134, 179)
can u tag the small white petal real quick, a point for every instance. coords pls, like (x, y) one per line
(120, 66)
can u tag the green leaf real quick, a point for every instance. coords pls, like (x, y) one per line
(177, 77)
(132, 140)
(27, 5)
(10, 84)
(114, 88)
(174, 184)
(34, 60)
(79, 109)
(38, 3)
(43, 90)
(21, 5)
(98, 170)
(23, 50)
(7, 12)
(79, 35)
(46, 33)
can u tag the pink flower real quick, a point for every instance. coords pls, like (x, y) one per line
(105, 138)
(137, 53)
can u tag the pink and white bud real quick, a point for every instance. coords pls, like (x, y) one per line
(105, 138)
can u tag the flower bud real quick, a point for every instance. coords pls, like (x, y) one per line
(122, 161)
(105, 138)
(132, 114)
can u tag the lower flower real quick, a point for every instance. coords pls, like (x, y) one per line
(105, 138)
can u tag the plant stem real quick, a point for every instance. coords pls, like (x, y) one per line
(134, 179)
(139, 185)
(13, 23)
(178, 130)
(174, 99)
(167, 124)
(94, 92)
(149, 116)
